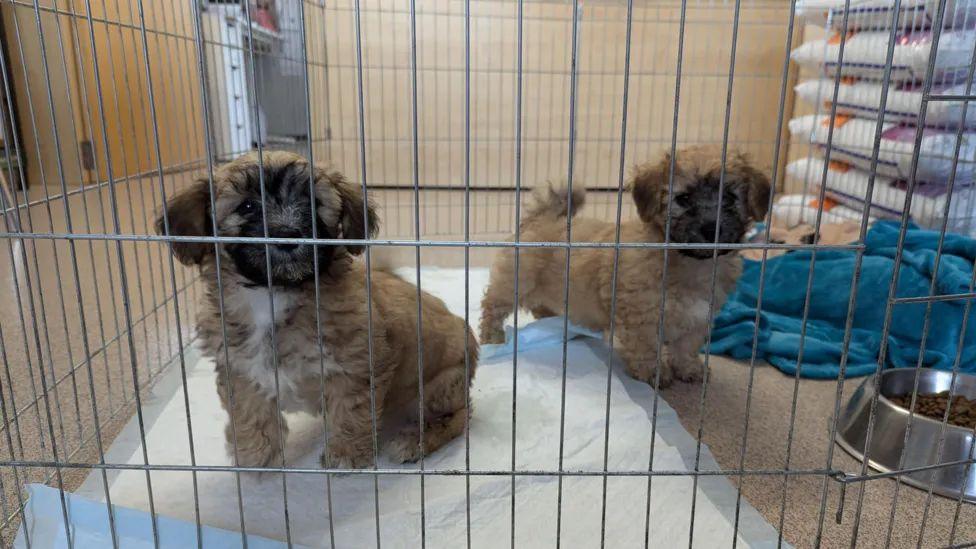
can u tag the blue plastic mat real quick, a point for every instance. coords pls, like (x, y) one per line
(88, 522)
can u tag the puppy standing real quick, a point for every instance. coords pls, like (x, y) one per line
(245, 361)
(697, 173)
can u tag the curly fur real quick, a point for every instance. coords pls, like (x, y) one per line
(639, 296)
(331, 375)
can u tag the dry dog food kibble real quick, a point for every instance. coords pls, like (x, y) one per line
(961, 413)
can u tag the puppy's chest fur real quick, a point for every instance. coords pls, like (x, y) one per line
(249, 317)
(689, 292)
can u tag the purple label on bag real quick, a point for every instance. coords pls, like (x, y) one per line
(928, 190)
(906, 134)
(902, 134)
(914, 38)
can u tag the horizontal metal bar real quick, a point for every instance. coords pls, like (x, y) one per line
(949, 97)
(461, 15)
(930, 298)
(431, 243)
(965, 545)
(591, 17)
(417, 472)
(845, 478)
(552, 72)
(558, 139)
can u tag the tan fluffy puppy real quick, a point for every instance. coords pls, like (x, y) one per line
(246, 360)
(694, 212)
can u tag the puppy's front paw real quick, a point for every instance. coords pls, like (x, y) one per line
(688, 368)
(343, 456)
(646, 371)
(256, 453)
(405, 446)
(256, 447)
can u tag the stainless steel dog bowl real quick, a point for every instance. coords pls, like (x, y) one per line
(890, 424)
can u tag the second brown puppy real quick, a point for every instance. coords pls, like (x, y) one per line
(694, 212)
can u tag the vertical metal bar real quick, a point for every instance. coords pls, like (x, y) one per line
(518, 238)
(664, 266)
(621, 169)
(315, 255)
(122, 272)
(368, 253)
(893, 287)
(208, 143)
(267, 261)
(467, 272)
(569, 238)
(416, 205)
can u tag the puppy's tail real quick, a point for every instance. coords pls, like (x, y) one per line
(555, 202)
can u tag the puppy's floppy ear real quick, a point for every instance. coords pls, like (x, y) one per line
(188, 214)
(754, 188)
(351, 220)
(649, 188)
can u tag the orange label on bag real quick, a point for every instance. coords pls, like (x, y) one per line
(838, 166)
(835, 38)
(849, 80)
(839, 121)
(828, 204)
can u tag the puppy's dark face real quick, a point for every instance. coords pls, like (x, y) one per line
(288, 207)
(706, 207)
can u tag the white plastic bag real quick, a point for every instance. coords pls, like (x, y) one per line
(853, 141)
(876, 14)
(865, 54)
(849, 186)
(862, 98)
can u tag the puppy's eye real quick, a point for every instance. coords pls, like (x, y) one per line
(248, 206)
(682, 200)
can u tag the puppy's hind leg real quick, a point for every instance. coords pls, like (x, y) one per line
(445, 414)
(498, 302)
(350, 421)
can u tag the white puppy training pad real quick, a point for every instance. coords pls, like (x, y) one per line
(445, 509)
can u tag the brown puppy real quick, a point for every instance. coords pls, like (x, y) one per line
(247, 361)
(639, 295)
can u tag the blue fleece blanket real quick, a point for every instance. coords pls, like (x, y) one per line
(785, 289)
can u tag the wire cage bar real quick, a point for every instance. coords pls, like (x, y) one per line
(447, 114)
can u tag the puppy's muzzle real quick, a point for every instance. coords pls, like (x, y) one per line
(287, 247)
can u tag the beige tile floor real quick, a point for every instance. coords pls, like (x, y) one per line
(54, 413)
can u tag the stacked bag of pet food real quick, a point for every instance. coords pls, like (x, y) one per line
(847, 96)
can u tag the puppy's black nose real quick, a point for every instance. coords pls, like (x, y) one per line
(287, 246)
(708, 231)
